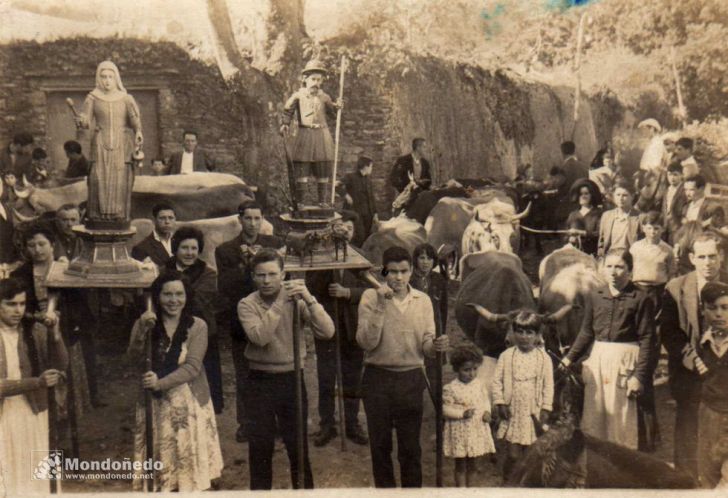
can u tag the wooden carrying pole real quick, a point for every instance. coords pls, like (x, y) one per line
(342, 71)
(148, 407)
(339, 371)
(438, 413)
(299, 394)
(55, 483)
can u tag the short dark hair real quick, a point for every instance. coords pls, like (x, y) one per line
(248, 205)
(162, 206)
(189, 132)
(675, 167)
(623, 184)
(417, 141)
(712, 291)
(706, 237)
(463, 353)
(713, 210)
(11, 287)
(38, 229)
(698, 180)
(527, 319)
(73, 147)
(424, 249)
(23, 138)
(622, 254)
(38, 154)
(576, 224)
(568, 148)
(185, 233)
(395, 254)
(266, 255)
(363, 162)
(685, 143)
(653, 218)
(68, 207)
(172, 275)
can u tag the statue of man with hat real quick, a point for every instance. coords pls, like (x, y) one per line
(312, 151)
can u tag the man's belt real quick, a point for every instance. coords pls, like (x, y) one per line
(313, 126)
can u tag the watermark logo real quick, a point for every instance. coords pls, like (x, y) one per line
(51, 465)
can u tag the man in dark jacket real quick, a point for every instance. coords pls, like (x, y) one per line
(190, 159)
(347, 290)
(234, 282)
(413, 164)
(77, 163)
(158, 246)
(681, 328)
(360, 197)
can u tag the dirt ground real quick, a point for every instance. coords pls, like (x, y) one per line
(108, 432)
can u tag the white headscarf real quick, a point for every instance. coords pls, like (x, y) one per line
(109, 65)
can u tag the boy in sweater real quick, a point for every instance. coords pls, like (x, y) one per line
(396, 330)
(713, 368)
(266, 316)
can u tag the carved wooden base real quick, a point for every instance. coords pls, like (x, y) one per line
(104, 261)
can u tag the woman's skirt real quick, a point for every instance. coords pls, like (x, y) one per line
(608, 413)
(185, 442)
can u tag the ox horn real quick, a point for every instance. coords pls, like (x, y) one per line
(485, 313)
(22, 218)
(559, 314)
(522, 214)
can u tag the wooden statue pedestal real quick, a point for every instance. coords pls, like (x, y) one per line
(103, 262)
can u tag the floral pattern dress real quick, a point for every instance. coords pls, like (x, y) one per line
(185, 440)
(466, 437)
(519, 428)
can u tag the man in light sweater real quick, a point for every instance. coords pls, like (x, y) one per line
(266, 316)
(396, 330)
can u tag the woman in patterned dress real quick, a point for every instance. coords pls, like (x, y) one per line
(185, 430)
(466, 407)
(523, 387)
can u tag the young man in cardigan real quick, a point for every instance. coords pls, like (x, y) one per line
(396, 330)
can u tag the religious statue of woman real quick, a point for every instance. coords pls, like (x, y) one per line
(117, 134)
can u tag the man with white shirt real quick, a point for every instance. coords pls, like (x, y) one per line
(696, 201)
(684, 154)
(681, 326)
(157, 247)
(190, 159)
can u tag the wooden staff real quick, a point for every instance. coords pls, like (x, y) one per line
(76, 115)
(339, 371)
(438, 411)
(577, 68)
(678, 89)
(52, 408)
(148, 402)
(299, 393)
(342, 71)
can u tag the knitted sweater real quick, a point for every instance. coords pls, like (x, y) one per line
(393, 339)
(269, 329)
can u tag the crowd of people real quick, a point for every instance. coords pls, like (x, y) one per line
(392, 337)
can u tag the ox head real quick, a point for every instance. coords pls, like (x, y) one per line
(505, 320)
(494, 228)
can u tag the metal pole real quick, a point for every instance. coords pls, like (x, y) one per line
(342, 71)
(148, 406)
(339, 374)
(299, 393)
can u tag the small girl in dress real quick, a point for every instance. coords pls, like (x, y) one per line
(523, 387)
(466, 408)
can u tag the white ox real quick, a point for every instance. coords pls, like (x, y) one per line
(215, 230)
(494, 227)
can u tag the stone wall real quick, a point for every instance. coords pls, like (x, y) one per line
(478, 123)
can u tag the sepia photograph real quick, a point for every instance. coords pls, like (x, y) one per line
(361, 245)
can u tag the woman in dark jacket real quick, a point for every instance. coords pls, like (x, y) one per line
(434, 285)
(187, 244)
(586, 194)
